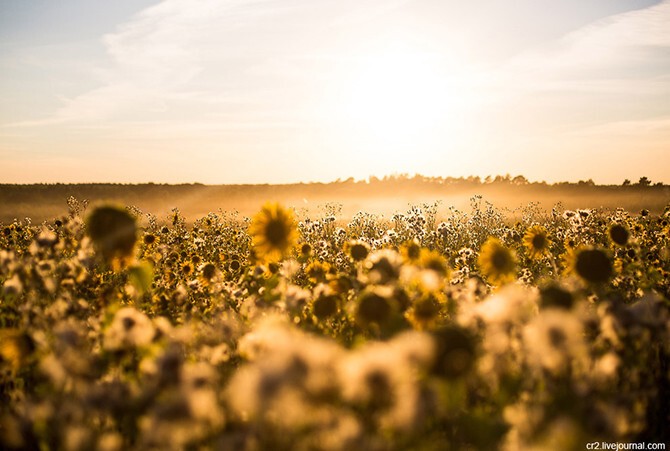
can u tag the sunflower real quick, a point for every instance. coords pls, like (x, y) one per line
(411, 250)
(434, 261)
(273, 232)
(554, 295)
(497, 262)
(358, 250)
(113, 231)
(619, 234)
(305, 250)
(208, 271)
(590, 264)
(375, 306)
(317, 271)
(537, 242)
(326, 303)
(187, 269)
(454, 353)
(425, 310)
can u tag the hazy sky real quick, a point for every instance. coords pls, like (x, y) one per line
(248, 91)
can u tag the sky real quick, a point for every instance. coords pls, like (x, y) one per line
(283, 91)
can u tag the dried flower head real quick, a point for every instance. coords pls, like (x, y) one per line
(113, 231)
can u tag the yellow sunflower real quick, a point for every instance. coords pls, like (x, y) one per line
(497, 262)
(433, 260)
(537, 242)
(425, 310)
(317, 271)
(273, 232)
(410, 250)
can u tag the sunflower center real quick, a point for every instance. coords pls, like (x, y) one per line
(500, 260)
(426, 308)
(619, 234)
(276, 233)
(373, 309)
(325, 306)
(539, 241)
(594, 265)
(358, 252)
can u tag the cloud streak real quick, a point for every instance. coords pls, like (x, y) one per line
(632, 46)
(213, 58)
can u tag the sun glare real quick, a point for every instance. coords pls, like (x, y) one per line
(394, 105)
(396, 95)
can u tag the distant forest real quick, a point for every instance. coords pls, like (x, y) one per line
(376, 195)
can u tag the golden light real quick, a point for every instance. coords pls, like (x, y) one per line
(396, 95)
(395, 105)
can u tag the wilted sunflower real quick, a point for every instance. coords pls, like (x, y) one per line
(591, 264)
(273, 232)
(537, 241)
(326, 303)
(411, 250)
(358, 250)
(497, 262)
(619, 234)
(374, 306)
(113, 231)
(454, 353)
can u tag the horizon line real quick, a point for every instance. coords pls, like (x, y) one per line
(485, 180)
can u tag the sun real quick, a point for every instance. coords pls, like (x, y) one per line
(395, 94)
(390, 104)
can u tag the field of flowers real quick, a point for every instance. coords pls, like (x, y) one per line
(474, 330)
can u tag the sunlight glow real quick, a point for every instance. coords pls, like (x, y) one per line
(395, 105)
(396, 95)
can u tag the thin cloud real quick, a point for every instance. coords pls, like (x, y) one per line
(212, 57)
(628, 46)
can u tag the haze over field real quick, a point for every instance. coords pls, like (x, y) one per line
(384, 197)
(278, 91)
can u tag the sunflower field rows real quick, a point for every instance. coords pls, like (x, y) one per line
(472, 330)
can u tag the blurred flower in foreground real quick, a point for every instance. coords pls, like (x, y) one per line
(15, 347)
(555, 341)
(273, 232)
(113, 231)
(128, 329)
